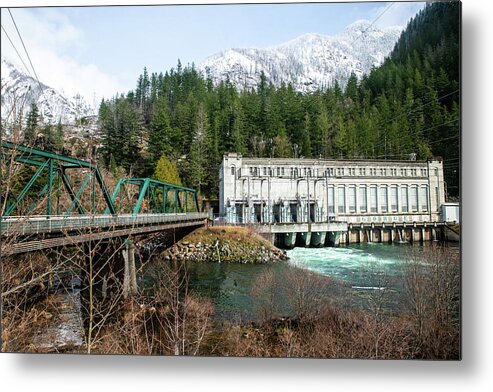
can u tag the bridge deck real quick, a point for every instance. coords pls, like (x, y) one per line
(71, 230)
(55, 224)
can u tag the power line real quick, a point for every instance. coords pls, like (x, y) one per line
(16, 51)
(421, 106)
(25, 49)
(446, 138)
(372, 23)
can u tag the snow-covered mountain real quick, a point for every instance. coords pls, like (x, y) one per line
(20, 90)
(308, 62)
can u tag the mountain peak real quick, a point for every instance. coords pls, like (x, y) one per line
(360, 25)
(308, 62)
(53, 106)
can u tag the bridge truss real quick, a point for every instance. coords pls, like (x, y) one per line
(34, 180)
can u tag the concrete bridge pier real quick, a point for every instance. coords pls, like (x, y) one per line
(129, 271)
(334, 238)
(289, 239)
(318, 238)
(304, 239)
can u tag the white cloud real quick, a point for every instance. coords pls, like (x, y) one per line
(52, 40)
(398, 14)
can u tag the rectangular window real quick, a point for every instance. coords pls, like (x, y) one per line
(282, 171)
(423, 196)
(232, 171)
(341, 200)
(265, 170)
(437, 196)
(404, 200)
(331, 200)
(278, 171)
(383, 199)
(352, 199)
(393, 199)
(362, 199)
(373, 199)
(413, 199)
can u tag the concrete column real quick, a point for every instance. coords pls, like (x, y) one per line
(129, 275)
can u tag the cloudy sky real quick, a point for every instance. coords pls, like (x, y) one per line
(99, 51)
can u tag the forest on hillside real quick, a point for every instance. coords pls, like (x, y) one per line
(408, 105)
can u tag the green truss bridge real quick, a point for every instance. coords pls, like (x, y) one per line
(50, 200)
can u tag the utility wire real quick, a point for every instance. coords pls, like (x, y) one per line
(16, 51)
(372, 23)
(25, 49)
(445, 138)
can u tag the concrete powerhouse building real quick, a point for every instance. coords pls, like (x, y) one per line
(303, 200)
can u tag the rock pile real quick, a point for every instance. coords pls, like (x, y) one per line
(224, 245)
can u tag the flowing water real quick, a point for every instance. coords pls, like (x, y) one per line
(356, 275)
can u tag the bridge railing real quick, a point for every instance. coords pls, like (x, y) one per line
(51, 224)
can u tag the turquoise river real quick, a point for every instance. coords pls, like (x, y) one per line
(350, 276)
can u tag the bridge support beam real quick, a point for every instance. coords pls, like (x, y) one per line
(130, 273)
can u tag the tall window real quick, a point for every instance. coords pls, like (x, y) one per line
(352, 199)
(331, 200)
(423, 196)
(341, 200)
(404, 199)
(383, 199)
(233, 171)
(373, 199)
(393, 199)
(437, 197)
(362, 199)
(414, 199)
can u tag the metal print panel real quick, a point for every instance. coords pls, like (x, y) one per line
(260, 180)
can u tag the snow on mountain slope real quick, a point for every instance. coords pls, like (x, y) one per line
(20, 90)
(308, 62)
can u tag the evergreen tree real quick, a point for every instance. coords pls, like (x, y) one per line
(30, 131)
(160, 138)
(166, 171)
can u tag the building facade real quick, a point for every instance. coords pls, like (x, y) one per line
(281, 190)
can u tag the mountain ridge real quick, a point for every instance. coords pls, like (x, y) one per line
(18, 87)
(309, 62)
